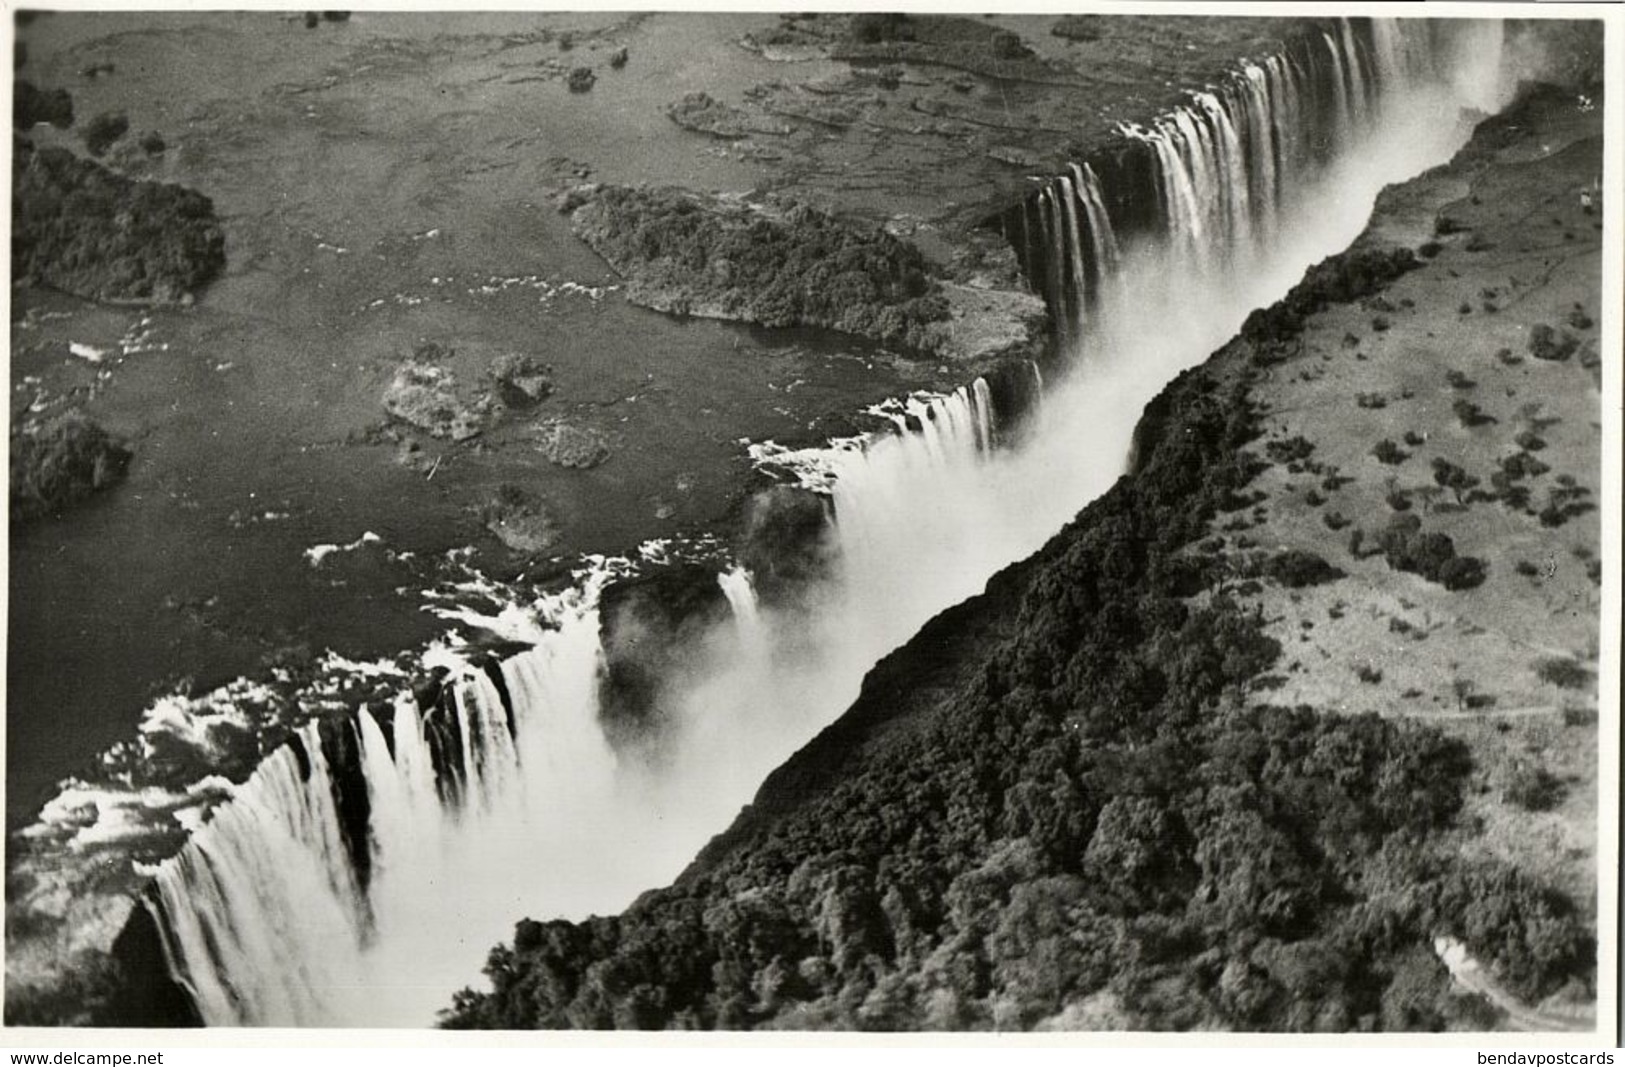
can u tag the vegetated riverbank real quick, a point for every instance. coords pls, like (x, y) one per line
(1118, 790)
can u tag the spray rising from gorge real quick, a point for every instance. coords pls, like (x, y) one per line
(360, 876)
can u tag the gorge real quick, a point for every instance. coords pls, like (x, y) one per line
(361, 873)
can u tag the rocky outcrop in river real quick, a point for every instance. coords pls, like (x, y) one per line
(786, 264)
(86, 230)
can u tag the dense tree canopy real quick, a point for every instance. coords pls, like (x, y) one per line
(84, 229)
(60, 462)
(801, 267)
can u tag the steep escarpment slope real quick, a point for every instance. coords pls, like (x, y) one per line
(1115, 790)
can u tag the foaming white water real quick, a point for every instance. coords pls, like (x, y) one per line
(225, 897)
(915, 539)
(265, 919)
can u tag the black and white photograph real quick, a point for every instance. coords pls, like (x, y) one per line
(1072, 520)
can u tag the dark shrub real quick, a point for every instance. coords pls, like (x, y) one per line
(1547, 344)
(1079, 27)
(580, 79)
(1565, 501)
(873, 27)
(31, 106)
(1388, 452)
(1009, 46)
(1471, 415)
(1510, 493)
(1563, 673)
(1534, 788)
(1297, 569)
(1289, 450)
(1521, 465)
(1430, 555)
(104, 129)
(1449, 476)
(1579, 715)
(61, 462)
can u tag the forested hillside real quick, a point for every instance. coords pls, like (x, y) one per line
(1061, 806)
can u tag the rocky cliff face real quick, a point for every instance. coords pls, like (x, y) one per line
(1080, 800)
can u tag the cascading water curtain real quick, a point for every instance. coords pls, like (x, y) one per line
(1228, 160)
(265, 910)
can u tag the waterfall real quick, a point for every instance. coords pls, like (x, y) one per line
(264, 916)
(500, 801)
(1390, 54)
(982, 409)
(1258, 122)
(1068, 198)
(235, 947)
(1357, 86)
(1051, 214)
(1231, 161)
(747, 612)
(1340, 87)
